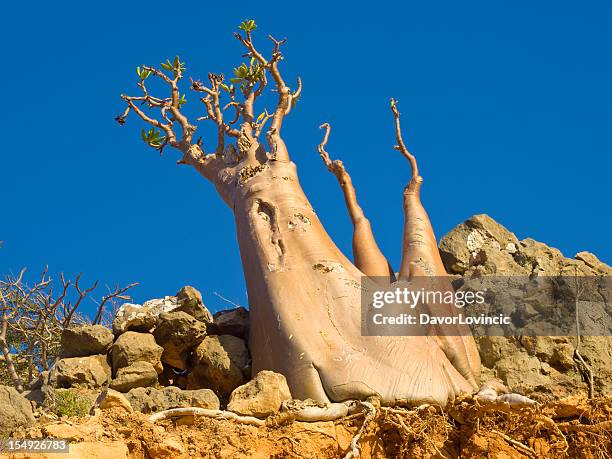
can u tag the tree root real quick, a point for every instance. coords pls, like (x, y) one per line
(517, 444)
(494, 392)
(371, 413)
(215, 414)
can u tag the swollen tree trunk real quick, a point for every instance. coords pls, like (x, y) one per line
(304, 294)
(305, 304)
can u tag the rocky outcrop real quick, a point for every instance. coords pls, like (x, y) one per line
(260, 397)
(109, 399)
(138, 374)
(219, 363)
(178, 333)
(87, 372)
(84, 340)
(538, 366)
(190, 301)
(15, 411)
(132, 347)
(150, 400)
(144, 318)
(231, 322)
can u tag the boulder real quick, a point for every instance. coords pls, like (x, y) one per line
(260, 397)
(15, 411)
(219, 363)
(168, 448)
(85, 340)
(541, 367)
(178, 333)
(87, 372)
(231, 322)
(150, 400)
(138, 374)
(190, 301)
(132, 347)
(110, 398)
(142, 318)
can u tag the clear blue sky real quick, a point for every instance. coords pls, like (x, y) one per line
(507, 106)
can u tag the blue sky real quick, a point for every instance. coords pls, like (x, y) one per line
(505, 104)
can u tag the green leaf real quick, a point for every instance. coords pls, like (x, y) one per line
(236, 80)
(138, 71)
(177, 62)
(260, 117)
(166, 65)
(224, 87)
(144, 135)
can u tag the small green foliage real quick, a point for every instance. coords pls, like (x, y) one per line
(143, 73)
(182, 101)
(248, 75)
(248, 25)
(152, 137)
(70, 403)
(175, 66)
(260, 117)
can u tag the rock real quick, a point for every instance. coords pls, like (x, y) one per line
(15, 411)
(150, 400)
(260, 397)
(138, 374)
(480, 240)
(110, 398)
(537, 366)
(231, 322)
(85, 340)
(142, 318)
(178, 333)
(168, 448)
(133, 347)
(190, 301)
(89, 372)
(219, 363)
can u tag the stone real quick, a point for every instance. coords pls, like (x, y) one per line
(15, 411)
(133, 347)
(138, 374)
(89, 372)
(142, 318)
(150, 400)
(219, 363)
(260, 397)
(169, 448)
(110, 398)
(231, 322)
(85, 340)
(178, 333)
(190, 301)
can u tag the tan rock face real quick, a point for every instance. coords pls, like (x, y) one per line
(138, 374)
(219, 363)
(84, 340)
(91, 372)
(260, 397)
(232, 322)
(151, 400)
(132, 347)
(539, 366)
(178, 333)
(190, 301)
(15, 411)
(112, 399)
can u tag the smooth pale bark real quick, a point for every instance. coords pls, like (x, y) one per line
(304, 298)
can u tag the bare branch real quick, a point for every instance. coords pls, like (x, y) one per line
(416, 180)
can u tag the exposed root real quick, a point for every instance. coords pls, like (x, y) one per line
(517, 444)
(354, 447)
(312, 411)
(216, 414)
